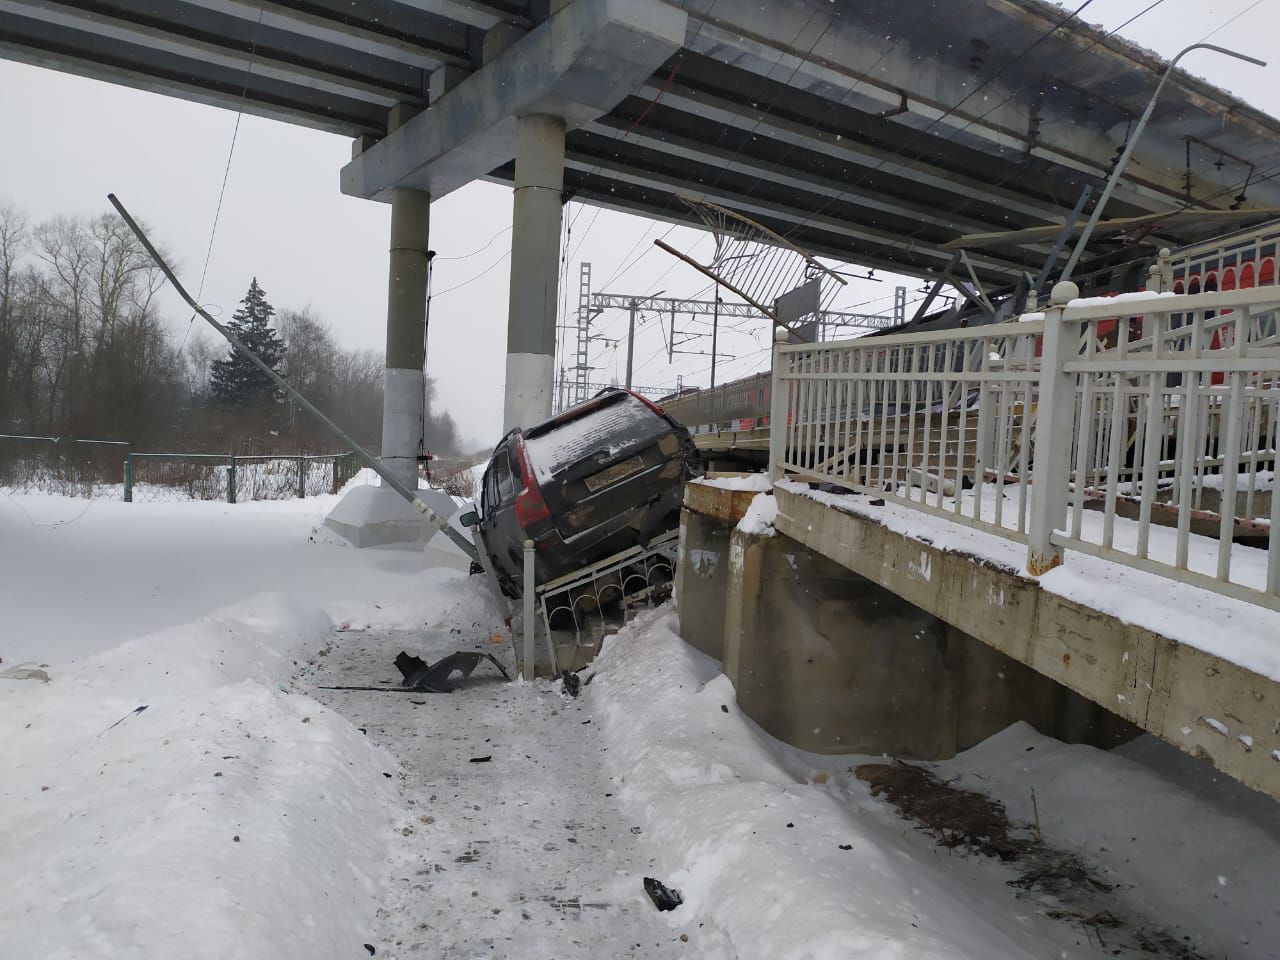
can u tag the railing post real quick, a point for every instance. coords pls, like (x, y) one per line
(530, 623)
(777, 410)
(231, 481)
(302, 477)
(128, 477)
(1055, 411)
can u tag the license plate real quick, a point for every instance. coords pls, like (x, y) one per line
(615, 473)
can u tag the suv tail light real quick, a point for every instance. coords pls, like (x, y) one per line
(531, 507)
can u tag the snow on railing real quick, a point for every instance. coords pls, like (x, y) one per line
(1139, 437)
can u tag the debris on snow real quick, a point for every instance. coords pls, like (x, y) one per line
(663, 897)
(570, 683)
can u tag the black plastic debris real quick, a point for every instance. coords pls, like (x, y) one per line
(877, 502)
(369, 947)
(480, 759)
(846, 846)
(439, 677)
(132, 713)
(572, 683)
(663, 897)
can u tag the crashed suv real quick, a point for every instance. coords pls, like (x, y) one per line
(603, 476)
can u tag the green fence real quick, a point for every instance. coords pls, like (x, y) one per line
(111, 469)
(152, 477)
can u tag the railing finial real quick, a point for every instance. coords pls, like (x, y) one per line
(1064, 291)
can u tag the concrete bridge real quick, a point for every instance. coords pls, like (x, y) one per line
(944, 547)
(857, 129)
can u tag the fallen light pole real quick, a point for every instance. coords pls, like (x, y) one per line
(433, 519)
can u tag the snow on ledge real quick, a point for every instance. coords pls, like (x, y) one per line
(751, 481)
(1242, 633)
(1120, 298)
(761, 515)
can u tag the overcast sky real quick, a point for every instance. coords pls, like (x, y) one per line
(69, 141)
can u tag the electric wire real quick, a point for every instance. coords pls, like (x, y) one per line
(226, 172)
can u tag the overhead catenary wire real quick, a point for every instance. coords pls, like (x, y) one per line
(226, 170)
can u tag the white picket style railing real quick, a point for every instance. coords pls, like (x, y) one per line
(1136, 428)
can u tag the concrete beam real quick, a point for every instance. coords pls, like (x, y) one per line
(577, 66)
(840, 59)
(329, 121)
(754, 119)
(659, 141)
(473, 13)
(449, 49)
(986, 261)
(261, 62)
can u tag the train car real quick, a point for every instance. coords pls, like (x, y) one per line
(1239, 260)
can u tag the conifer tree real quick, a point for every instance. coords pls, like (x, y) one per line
(236, 381)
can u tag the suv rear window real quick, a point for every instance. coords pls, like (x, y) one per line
(600, 428)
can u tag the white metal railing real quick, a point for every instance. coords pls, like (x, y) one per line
(1149, 439)
(917, 416)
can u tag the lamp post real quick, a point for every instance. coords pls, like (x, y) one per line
(1128, 150)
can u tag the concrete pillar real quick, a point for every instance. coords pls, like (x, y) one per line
(403, 394)
(701, 581)
(535, 264)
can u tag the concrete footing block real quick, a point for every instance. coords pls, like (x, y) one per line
(372, 516)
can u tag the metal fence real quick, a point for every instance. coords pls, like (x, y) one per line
(110, 469)
(151, 477)
(77, 468)
(1149, 438)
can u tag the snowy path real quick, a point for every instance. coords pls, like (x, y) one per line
(527, 855)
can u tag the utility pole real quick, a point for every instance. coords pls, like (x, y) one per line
(715, 331)
(631, 340)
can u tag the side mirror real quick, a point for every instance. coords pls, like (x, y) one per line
(469, 519)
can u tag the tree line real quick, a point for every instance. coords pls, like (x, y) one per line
(86, 353)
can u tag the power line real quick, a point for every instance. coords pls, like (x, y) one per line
(226, 171)
(486, 270)
(490, 242)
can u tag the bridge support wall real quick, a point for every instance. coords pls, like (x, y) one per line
(830, 662)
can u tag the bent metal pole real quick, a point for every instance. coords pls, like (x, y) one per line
(433, 519)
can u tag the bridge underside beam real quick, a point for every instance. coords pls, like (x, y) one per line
(577, 66)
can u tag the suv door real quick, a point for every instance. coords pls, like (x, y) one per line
(501, 532)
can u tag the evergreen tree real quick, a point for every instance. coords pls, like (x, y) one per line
(236, 381)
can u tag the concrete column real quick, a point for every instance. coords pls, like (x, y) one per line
(535, 264)
(403, 393)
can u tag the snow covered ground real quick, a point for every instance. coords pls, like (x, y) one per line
(247, 813)
(786, 854)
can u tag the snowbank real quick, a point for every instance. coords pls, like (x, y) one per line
(173, 797)
(756, 850)
(788, 857)
(1170, 853)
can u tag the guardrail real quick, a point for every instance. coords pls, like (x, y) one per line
(1148, 438)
